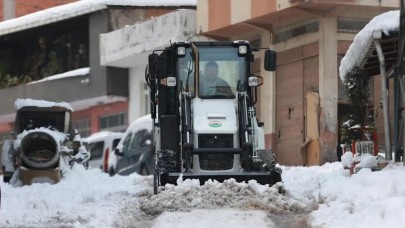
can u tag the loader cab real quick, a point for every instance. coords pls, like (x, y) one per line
(202, 105)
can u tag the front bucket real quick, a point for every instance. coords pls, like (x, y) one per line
(263, 178)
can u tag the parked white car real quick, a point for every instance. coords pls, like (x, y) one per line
(102, 146)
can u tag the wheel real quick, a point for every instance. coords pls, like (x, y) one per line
(111, 172)
(268, 157)
(165, 161)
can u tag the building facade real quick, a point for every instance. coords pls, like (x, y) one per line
(302, 101)
(54, 54)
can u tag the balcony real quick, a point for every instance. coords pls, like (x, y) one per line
(58, 62)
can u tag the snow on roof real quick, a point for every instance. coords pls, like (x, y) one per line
(100, 135)
(144, 122)
(72, 73)
(20, 103)
(388, 21)
(79, 8)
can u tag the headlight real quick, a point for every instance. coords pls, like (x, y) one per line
(255, 81)
(181, 51)
(242, 49)
(169, 81)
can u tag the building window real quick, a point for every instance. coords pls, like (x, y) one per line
(115, 122)
(285, 33)
(146, 99)
(351, 25)
(83, 127)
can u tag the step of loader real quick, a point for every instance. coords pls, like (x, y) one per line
(263, 178)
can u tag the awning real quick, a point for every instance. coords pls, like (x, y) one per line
(75, 9)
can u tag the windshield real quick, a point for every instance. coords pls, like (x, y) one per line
(220, 71)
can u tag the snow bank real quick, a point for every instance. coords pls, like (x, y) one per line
(219, 218)
(304, 183)
(68, 74)
(386, 22)
(20, 103)
(366, 199)
(83, 198)
(366, 160)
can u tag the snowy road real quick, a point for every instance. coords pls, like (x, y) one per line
(316, 197)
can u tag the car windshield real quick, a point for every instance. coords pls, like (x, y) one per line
(221, 69)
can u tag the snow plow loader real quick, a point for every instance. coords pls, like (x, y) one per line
(202, 97)
(42, 132)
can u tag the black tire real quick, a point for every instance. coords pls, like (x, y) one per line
(268, 157)
(166, 162)
(111, 172)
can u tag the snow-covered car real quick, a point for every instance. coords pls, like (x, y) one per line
(134, 149)
(101, 146)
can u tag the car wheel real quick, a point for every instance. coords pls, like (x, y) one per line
(112, 173)
(144, 171)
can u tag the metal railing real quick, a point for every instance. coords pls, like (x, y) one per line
(285, 33)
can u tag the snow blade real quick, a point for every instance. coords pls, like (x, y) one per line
(263, 178)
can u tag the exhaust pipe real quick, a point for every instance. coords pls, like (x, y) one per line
(39, 150)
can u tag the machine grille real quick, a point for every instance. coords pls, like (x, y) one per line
(218, 161)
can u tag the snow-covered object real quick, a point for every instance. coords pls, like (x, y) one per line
(347, 160)
(20, 103)
(144, 122)
(366, 160)
(68, 74)
(58, 136)
(78, 8)
(386, 22)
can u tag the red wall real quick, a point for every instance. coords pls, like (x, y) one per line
(93, 113)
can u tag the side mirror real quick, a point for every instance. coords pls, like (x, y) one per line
(255, 81)
(270, 60)
(118, 152)
(152, 63)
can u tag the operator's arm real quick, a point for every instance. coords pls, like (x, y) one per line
(224, 87)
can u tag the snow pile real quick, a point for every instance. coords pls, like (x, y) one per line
(347, 160)
(366, 199)
(83, 198)
(189, 195)
(304, 183)
(366, 160)
(20, 103)
(386, 22)
(72, 73)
